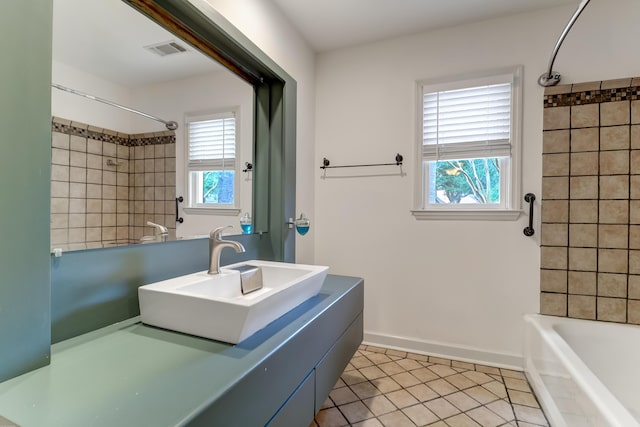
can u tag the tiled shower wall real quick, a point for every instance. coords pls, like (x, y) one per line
(590, 237)
(105, 185)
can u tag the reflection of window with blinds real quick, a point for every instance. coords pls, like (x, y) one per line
(211, 160)
(468, 135)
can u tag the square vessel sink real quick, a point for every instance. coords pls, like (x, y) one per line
(213, 306)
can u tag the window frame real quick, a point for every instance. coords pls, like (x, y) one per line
(191, 206)
(510, 206)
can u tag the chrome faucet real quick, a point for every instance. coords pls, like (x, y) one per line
(216, 244)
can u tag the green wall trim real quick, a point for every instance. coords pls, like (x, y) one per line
(25, 114)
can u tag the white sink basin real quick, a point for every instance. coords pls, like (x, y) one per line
(214, 306)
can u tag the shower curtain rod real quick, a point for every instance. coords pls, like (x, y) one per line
(552, 78)
(171, 125)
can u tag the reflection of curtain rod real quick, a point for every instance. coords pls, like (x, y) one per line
(170, 125)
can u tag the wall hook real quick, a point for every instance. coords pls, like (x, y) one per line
(529, 198)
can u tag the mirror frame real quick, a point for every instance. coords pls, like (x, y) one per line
(196, 22)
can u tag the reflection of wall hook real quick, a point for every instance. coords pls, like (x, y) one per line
(111, 162)
(249, 167)
(179, 219)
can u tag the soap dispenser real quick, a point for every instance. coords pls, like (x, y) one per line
(302, 224)
(245, 223)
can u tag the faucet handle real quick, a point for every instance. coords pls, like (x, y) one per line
(216, 233)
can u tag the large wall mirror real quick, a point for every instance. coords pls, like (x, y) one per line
(115, 171)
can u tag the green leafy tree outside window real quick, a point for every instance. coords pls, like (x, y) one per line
(478, 179)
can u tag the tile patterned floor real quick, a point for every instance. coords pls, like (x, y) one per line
(390, 388)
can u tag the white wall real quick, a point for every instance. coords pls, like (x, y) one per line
(448, 286)
(73, 107)
(265, 25)
(214, 92)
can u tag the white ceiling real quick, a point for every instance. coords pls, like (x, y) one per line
(106, 38)
(333, 24)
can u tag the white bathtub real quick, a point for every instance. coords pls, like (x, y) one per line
(585, 373)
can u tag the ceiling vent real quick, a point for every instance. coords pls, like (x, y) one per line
(166, 48)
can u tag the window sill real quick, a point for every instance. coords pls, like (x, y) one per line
(467, 215)
(212, 211)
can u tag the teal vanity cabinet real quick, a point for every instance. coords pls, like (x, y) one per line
(130, 374)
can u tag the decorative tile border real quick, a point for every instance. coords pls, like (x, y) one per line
(592, 97)
(106, 135)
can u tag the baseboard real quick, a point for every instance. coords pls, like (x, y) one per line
(445, 350)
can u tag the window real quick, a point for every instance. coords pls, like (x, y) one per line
(211, 161)
(468, 147)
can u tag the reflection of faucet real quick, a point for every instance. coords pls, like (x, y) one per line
(216, 244)
(161, 233)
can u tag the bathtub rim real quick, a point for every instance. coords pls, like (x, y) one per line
(604, 401)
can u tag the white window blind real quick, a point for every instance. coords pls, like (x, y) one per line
(465, 123)
(212, 143)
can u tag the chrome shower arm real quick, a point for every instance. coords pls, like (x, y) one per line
(552, 78)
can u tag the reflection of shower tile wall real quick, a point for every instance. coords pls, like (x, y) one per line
(94, 185)
(590, 254)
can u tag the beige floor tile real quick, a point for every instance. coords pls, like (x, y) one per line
(420, 415)
(409, 364)
(371, 422)
(405, 379)
(461, 420)
(424, 374)
(485, 417)
(523, 398)
(361, 362)
(391, 368)
(488, 369)
(390, 388)
(380, 405)
(460, 381)
(422, 392)
(442, 408)
(343, 395)
(478, 377)
(442, 370)
(503, 409)
(353, 377)
(439, 360)
(355, 412)
(396, 419)
(464, 365)
(386, 384)
(441, 387)
(529, 415)
(418, 357)
(513, 374)
(496, 388)
(398, 353)
(331, 417)
(481, 394)
(515, 384)
(328, 403)
(462, 401)
(339, 383)
(402, 398)
(365, 390)
(378, 358)
(372, 372)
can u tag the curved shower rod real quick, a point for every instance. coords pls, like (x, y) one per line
(171, 125)
(552, 78)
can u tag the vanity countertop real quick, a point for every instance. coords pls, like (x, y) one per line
(133, 374)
